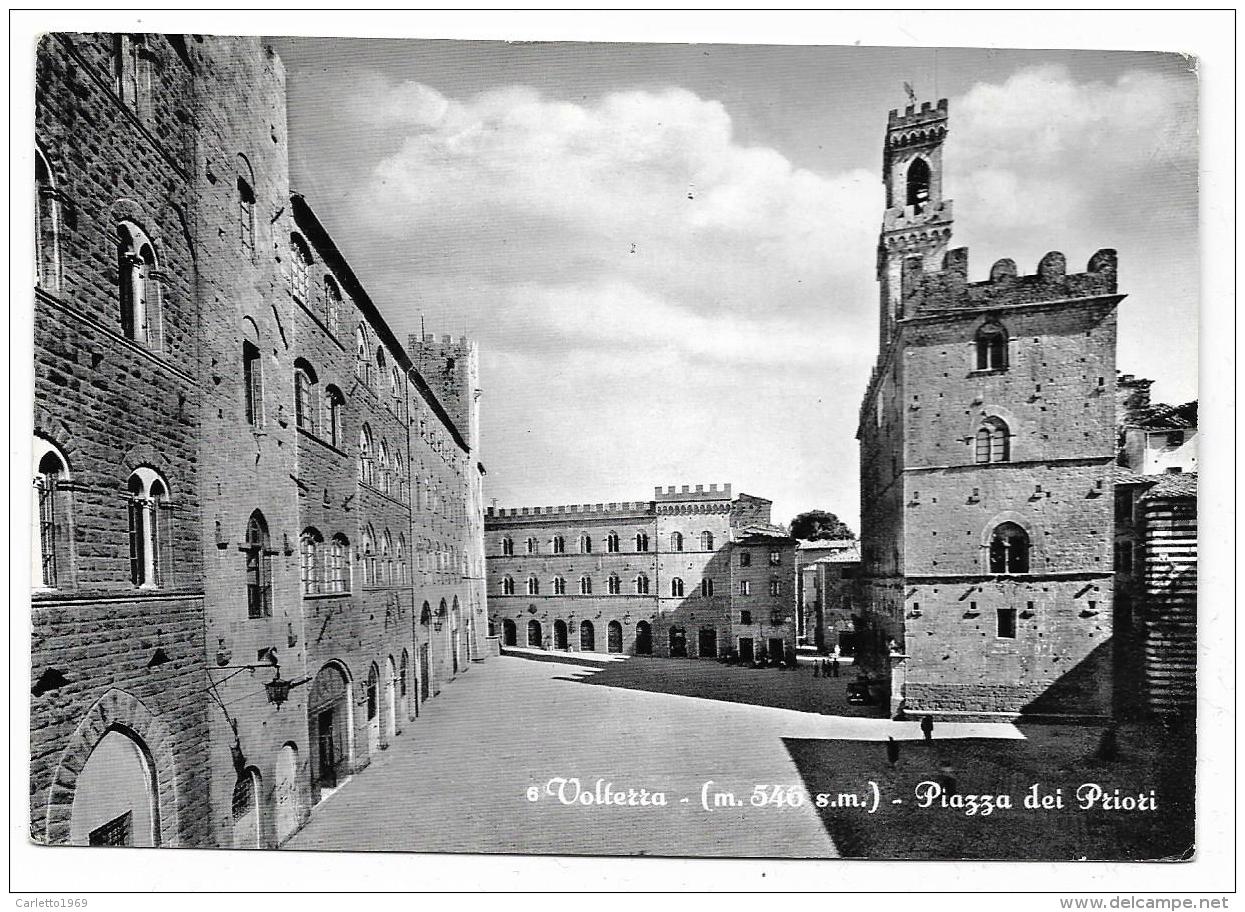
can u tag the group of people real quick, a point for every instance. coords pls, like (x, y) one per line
(826, 668)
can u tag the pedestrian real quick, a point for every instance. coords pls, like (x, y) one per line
(892, 751)
(927, 727)
(816, 669)
(834, 664)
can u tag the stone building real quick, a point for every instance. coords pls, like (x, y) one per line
(258, 519)
(987, 449)
(828, 593)
(689, 573)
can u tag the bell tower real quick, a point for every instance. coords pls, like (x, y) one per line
(917, 222)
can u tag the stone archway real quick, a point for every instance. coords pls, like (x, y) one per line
(116, 711)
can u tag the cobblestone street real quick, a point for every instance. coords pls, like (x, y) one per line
(456, 780)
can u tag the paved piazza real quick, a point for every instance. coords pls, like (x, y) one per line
(457, 779)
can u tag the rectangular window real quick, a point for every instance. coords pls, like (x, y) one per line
(252, 389)
(745, 558)
(745, 587)
(745, 617)
(775, 587)
(47, 529)
(1007, 623)
(775, 558)
(137, 541)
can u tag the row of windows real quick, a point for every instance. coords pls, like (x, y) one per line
(639, 586)
(557, 545)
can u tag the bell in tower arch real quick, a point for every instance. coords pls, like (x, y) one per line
(918, 185)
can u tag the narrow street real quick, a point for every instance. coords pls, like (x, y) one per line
(457, 779)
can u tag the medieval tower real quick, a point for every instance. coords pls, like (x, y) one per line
(986, 446)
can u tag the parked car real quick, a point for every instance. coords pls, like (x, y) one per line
(858, 693)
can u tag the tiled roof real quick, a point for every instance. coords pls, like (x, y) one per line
(1182, 484)
(1167, 417)
(826, 544)
(846, 556)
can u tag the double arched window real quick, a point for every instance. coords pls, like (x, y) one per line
(332, 304)
(386, 558)
(384, 479)
(611, 543)
(614, 585)
(334, 408)
(706, 541)
(258, 568)
(368, 556)
(585, 585)
(147, 493)
(367, 472)
(533, 586)
(585, 544)
(706, 587)
(139, 288)
(363, 355)
(339, 564)
(559, 586)
(991, 345)
(51, 508)
(676, 587)
(993, 442)
(641, 541)
(507, 586)
(641, 584)
(1009, 549)
(676, 541)
(507, 546)
(559, 544)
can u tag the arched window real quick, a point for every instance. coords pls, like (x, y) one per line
(585, 544)
(399, 483)
(559, 544)
(533, 586)
(918, 184)
(395, 382)
(386, 557)
(559, 586)
(993, 441)
(139, 289)
(332, 304)
(363, 355)
(507, 546)
(401, 555)
(310, 546)
(611, 543)
(641, 585)
(339, 564)
(334, 408)
(641, 541)
(147, 491)
(585, 585)
(131, 63)
(381, 370)
(1009, 549)
(384, 478)
(305, 407)
(51, 508)
(706, 587)
(507, 586)
(403, 671)
(676, 587)
(615, 584)
(369, 556)
(300, 268)
(676, 541)
(47, 227)
(258, 568)
(706, 541)
(252, 385)
(366, 469)
(246, 217)
(991, 347)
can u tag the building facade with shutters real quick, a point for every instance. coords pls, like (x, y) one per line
(257, 516)
(987, 443)
(673, 576)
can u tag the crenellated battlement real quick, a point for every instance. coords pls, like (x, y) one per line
(948, 288)
(630, 507)
(685, 493)
(917, 125)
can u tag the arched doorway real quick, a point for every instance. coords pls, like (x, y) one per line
(371, 699)
(559, 634)
(330, 722)
(510, 636)
(285, 795)
(114, 797)
(707, 645)
(391, 700)
(613, 637)
(587, 637)
(643, 638)
(245, 803)
(678, 643)
(535, 638)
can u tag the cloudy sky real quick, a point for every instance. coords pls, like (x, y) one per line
(666, 252)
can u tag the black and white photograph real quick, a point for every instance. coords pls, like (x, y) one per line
(609, 448)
